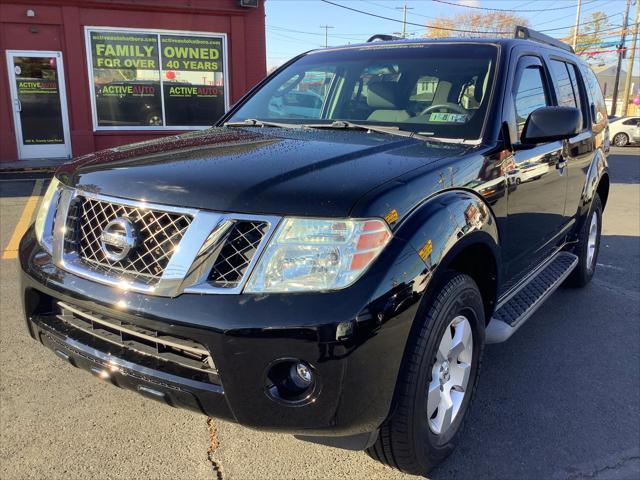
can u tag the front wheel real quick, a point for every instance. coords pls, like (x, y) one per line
(437, 380)
(621, 140)
(588, 246)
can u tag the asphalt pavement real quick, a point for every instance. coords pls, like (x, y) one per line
(559, 400)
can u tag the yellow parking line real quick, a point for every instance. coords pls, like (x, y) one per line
(11, 250)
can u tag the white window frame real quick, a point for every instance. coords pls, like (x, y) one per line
(157, 32)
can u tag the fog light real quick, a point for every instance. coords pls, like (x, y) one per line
(291, 381)
(301, 375)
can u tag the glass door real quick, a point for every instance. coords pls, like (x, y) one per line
(39, 104)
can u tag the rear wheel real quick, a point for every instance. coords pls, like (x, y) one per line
(588, 246)
(621, 140)
(437, 381)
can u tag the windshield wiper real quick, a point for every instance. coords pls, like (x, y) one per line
(253, 122)
(346, 125)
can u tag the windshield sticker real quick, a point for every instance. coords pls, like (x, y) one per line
(448, 117)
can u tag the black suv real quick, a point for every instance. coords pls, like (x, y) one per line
(334, 271)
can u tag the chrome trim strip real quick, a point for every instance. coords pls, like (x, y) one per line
(124, 366)
(136, 203)
(47, 231)
(189, 266)
(59, 226)
(133, 333)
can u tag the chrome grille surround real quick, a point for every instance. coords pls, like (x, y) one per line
(194, 248)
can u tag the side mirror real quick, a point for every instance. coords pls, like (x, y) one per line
(547, 124)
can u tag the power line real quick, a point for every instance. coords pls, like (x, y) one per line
(363, 12)
(408, 23)
(394, 8)
(508, 9)
(569, 26)
(571, 15)
(342, 36)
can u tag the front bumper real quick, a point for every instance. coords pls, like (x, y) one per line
(353, 344)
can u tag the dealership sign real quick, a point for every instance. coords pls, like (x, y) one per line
(156, 79)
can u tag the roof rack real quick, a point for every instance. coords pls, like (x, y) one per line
(383, 37)
(525, 33)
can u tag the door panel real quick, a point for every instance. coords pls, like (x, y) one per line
(39, 104)
(580, 149)
(537, 178)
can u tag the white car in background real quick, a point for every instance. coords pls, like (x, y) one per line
(623, 131)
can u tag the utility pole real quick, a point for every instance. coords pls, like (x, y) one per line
(614, 100)
(632, 50)
(326, 34)
(404, 19)
(575, 28)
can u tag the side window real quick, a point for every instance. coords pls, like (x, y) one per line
(599, 108)
(631, 121)
(530, 94)
(564, 87)
(576, 91)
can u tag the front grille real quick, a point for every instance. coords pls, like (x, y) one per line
(159, 234)
(166, 349)
(236, 254)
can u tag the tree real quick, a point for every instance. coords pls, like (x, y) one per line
(590, 34)
(493, 22)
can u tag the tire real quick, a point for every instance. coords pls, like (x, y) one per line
(409, 440)
(621, 140)
(586, 249)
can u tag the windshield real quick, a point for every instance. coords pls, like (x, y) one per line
(439, 90)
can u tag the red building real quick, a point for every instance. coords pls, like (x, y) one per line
(83, 75)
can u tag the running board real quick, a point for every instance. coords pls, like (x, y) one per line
(519, 307)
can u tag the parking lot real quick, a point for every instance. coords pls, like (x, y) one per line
(561, 399)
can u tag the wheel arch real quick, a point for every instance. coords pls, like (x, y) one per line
(597, 181)
(457, 230)
(603, 189)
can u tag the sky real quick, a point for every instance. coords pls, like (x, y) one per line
(294, 26)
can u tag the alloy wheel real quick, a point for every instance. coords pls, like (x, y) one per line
(450, 375)
(620, 140)
(592, 241)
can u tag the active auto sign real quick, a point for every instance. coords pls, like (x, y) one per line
(155, 79)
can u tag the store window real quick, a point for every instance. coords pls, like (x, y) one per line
(156, 80)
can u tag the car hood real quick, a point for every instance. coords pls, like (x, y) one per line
(254, 170)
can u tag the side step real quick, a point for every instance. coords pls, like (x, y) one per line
(519, 306)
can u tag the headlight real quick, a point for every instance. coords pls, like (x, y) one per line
(312, 255)
(44, 219)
